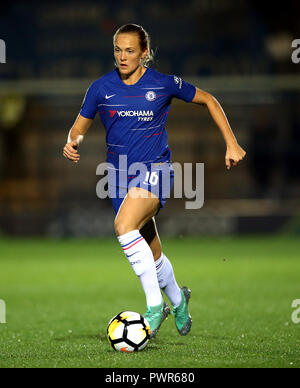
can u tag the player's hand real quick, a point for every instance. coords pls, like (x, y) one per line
(234, 155)
(70, 151)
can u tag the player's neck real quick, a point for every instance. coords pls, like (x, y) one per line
(133, 78)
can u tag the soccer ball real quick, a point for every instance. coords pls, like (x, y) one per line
(128, 332)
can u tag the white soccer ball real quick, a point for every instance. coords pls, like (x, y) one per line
(128, 332)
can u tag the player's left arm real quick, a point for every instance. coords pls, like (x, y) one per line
(234, 152)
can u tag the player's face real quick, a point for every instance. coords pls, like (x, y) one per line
(128, 53)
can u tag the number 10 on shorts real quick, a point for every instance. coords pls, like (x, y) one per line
(151, 179)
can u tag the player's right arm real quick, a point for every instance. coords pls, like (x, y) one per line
(75, 137)
(82, 123)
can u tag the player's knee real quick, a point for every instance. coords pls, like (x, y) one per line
(122, 226)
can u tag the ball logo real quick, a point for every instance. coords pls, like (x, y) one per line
(150, 96)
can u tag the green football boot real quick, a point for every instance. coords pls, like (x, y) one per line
(183, 320)
(156, 316)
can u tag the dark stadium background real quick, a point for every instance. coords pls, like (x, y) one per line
(240, 51)
(63, 274)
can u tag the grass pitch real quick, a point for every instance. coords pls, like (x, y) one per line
(60, 295)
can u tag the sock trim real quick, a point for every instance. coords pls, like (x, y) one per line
(159, 263)
(131, 242)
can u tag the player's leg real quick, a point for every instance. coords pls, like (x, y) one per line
(133, 214)
(166, 279)
(164, 269)
(150, 234)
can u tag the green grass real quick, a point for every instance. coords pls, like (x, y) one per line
(60, 295)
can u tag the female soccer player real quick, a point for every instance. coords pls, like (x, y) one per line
(133, 102)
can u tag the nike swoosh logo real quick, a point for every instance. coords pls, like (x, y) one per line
(108, 97)
(132, 254)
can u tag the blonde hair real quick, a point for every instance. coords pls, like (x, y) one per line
(144, 40)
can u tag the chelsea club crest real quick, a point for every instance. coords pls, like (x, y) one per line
(150, 96)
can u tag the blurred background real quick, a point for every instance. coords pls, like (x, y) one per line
(238, 50)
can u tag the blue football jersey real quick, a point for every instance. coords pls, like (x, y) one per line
(135, 116)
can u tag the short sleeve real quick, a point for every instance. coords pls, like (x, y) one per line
(90, 102)
(181, 89)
